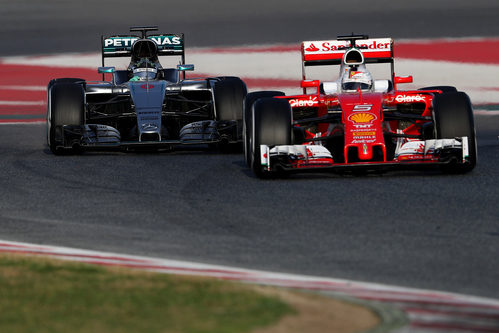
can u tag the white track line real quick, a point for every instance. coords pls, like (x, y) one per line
(14, 103)
(478, 80)
(428, 310)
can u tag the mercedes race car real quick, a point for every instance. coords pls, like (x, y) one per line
(357, 123)
(145, 105)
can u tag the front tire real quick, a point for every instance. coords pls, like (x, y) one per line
(249, 100)
(453, 117)
(271, 125)
(65, 106)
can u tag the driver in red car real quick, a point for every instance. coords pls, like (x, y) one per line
(356, 78)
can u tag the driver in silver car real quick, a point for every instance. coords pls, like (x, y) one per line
(144, 64)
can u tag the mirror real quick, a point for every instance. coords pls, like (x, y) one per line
(185, 67)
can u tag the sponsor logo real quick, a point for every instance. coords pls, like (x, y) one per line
(364, 149)
(327, 46)
(149, 127)
(148, 118)
(143, 70)
(364, 126)
(128, 41)
(409, 157)
(364, 141)
(412, 147)
(364, 134)
(312, 48)
(147, 86)
(165, 40)
(370, 45)
(119, 42)
(311, 101)
(409, 98)
(375, 46)
(361, 118)
(356, 74)
(363, 107)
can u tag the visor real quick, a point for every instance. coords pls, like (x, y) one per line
(355, 86)
(145, 73)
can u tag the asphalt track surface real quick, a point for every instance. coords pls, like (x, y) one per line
(417, 229)
(30, 27)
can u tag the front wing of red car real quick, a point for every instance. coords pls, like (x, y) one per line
(411, 154)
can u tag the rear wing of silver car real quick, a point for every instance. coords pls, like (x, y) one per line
(121, 45)
(330, 52)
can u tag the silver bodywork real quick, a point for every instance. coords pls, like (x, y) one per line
(129, 111)
(147, 101)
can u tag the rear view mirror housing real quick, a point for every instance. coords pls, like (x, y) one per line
(185, 67)
(103, 70)
(310, 83)
(403, 79)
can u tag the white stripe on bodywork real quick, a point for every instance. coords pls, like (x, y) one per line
(466, 152)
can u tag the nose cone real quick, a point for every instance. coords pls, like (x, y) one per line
(366, 152)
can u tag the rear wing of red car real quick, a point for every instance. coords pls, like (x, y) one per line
(330, 52)
(121, 45)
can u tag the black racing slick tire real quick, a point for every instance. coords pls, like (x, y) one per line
(453, 117)
(228, 95)
(249, 100)
(444, 89)
(65, 80)
(271, 125)
(65, 106)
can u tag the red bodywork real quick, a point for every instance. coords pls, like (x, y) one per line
(338, 127)
(362, 121)
(362, 124)
(362, 117)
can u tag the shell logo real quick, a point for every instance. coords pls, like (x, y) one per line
(363, 117)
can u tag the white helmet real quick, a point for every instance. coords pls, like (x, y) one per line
(355, 79)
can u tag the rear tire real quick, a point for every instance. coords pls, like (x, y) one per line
(271, 124)
(453, 117)
(444, 89)
(65, 106)
(65, 80)
(229, 95)
(249, 100)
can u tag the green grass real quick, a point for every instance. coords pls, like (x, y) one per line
(43, 295)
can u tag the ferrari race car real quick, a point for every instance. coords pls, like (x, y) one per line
(356, 123)
(145, 105)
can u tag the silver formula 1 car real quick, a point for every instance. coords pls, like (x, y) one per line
(145, 105)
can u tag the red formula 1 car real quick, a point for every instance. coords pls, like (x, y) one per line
(355, 122)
